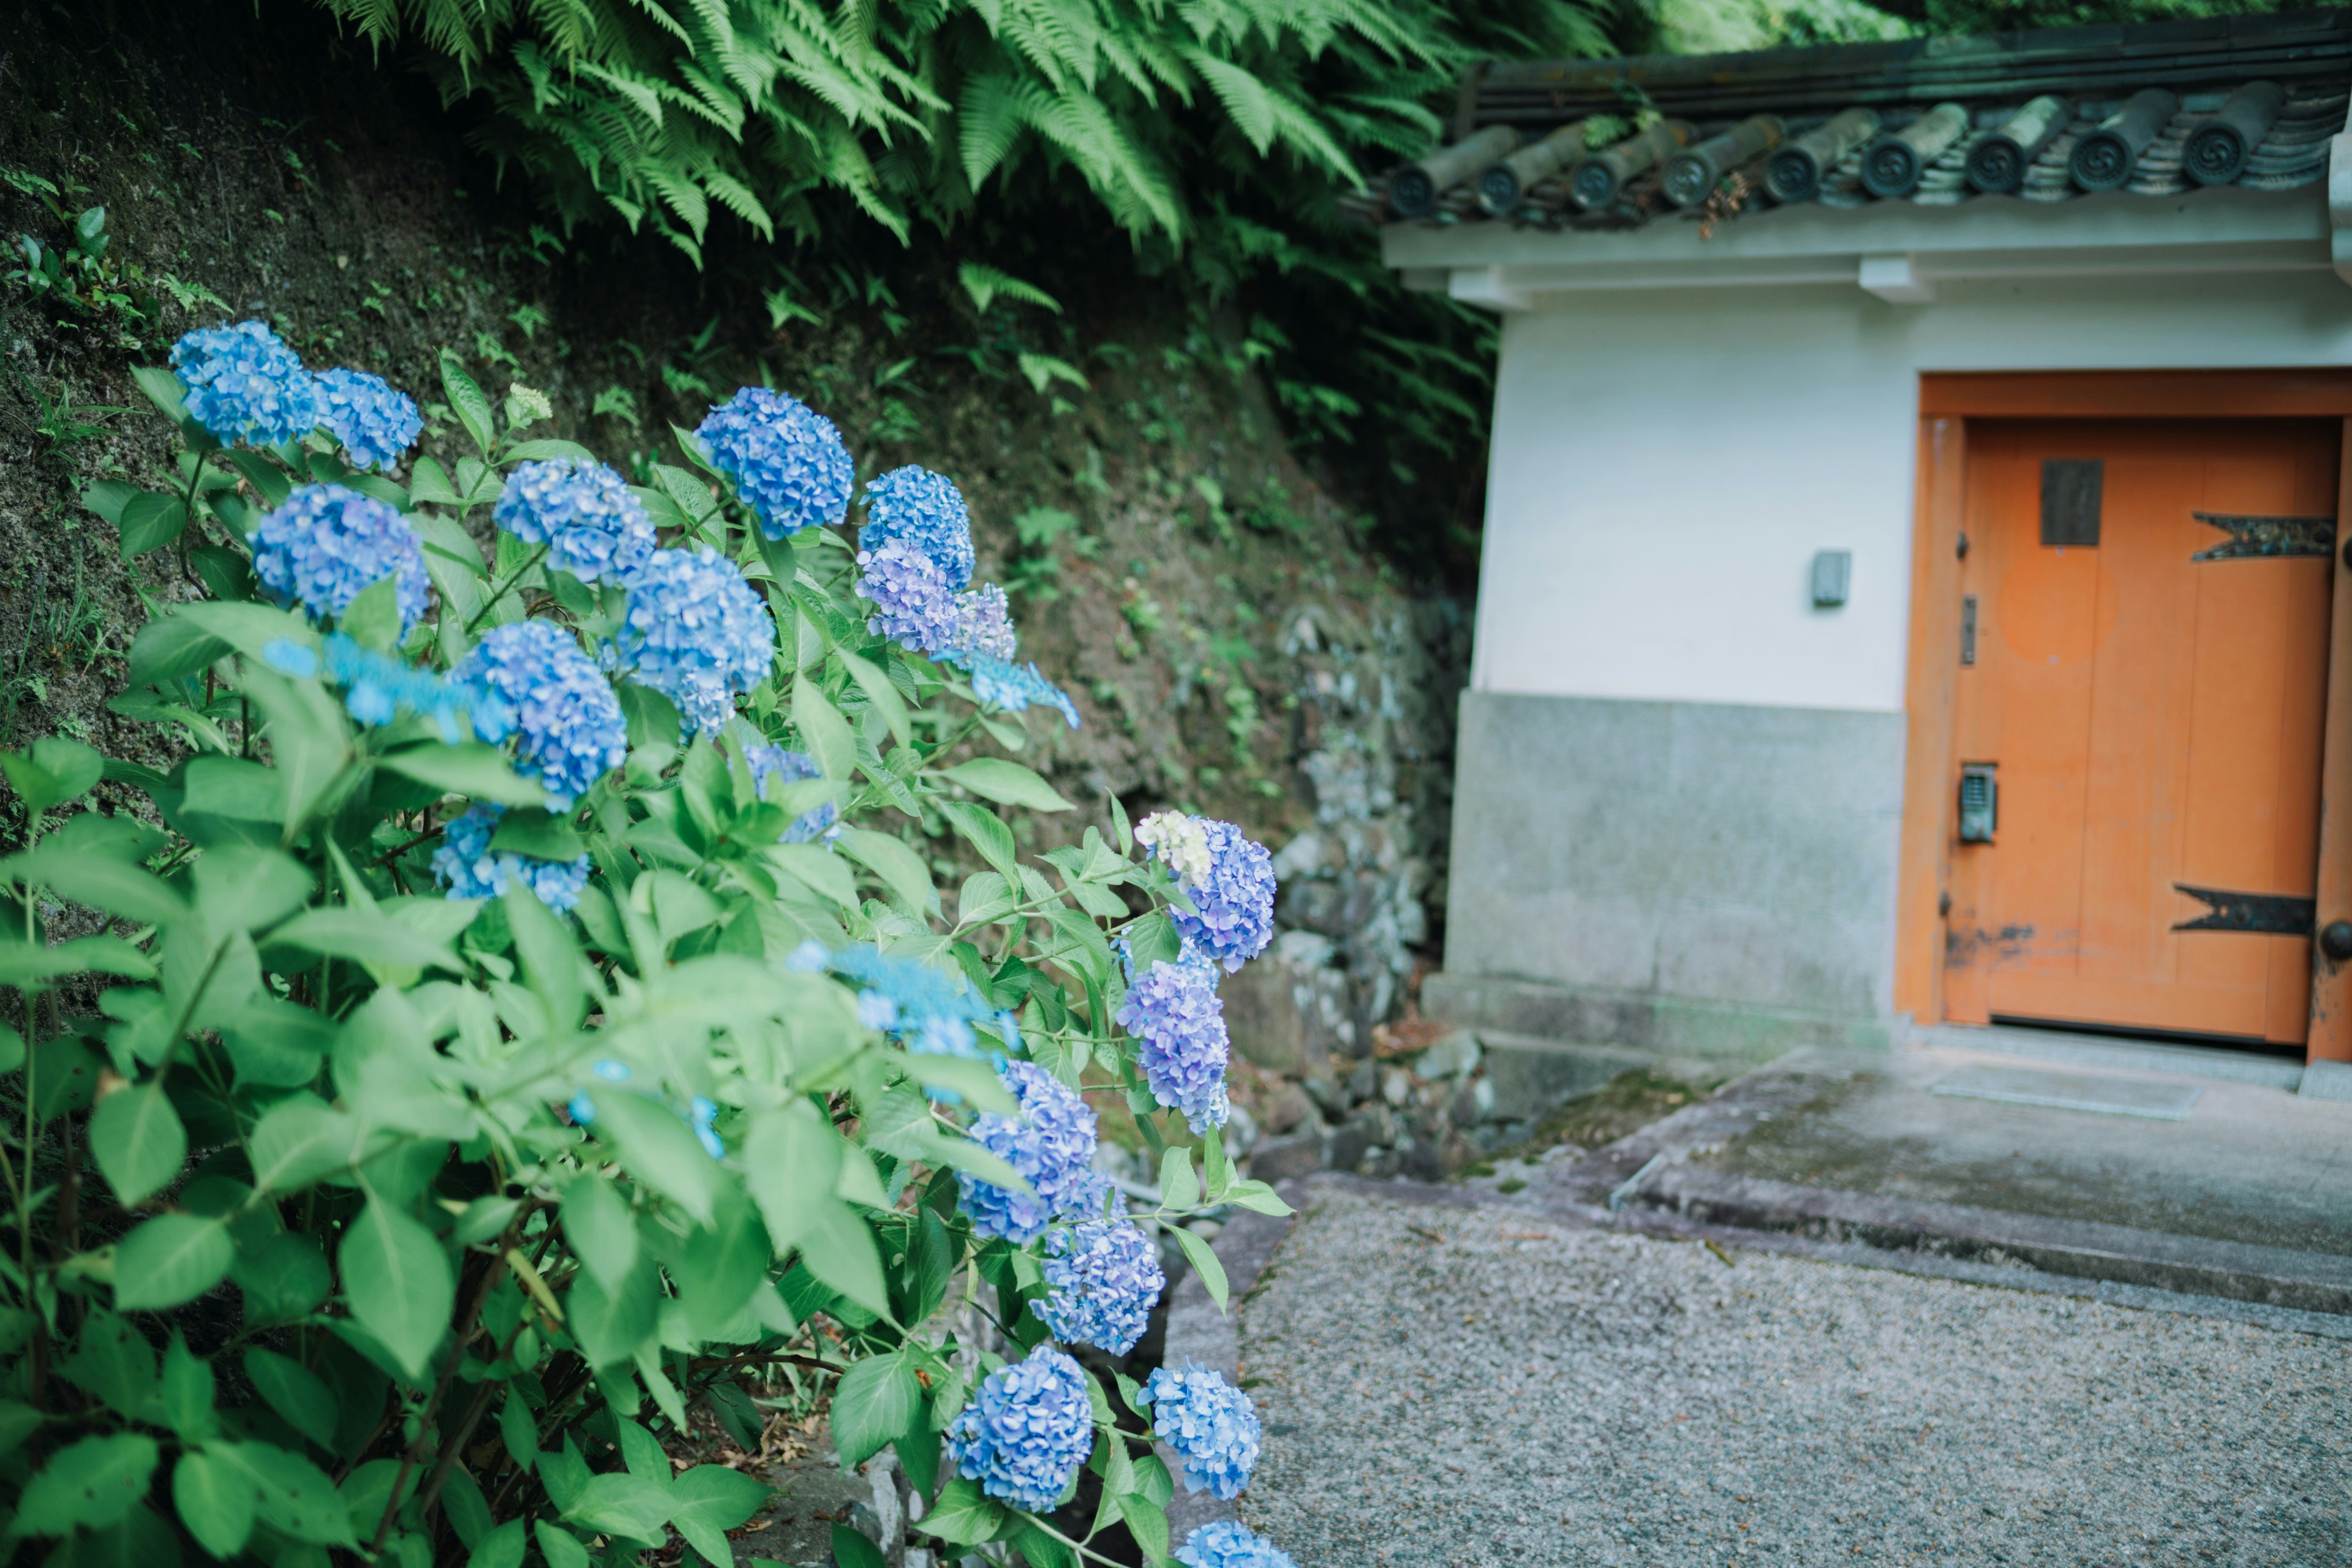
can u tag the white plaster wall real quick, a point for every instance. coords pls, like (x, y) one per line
(1665, 462)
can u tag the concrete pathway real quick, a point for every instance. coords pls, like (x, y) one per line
(1450, 1387)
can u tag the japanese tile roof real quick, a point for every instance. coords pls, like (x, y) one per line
(2047, 116)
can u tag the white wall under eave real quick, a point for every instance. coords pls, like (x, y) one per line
(1665, 462)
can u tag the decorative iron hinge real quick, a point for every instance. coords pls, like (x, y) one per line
(2264, 914)
(2259, 536)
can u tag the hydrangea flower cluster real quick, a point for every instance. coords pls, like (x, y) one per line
(786, 460)
(244, 384)
(1013, 687)
(697, 633)
(533, 680)
(374, 423)
(1178, 1025)
(1211, 1424)
(1104, 1275)
(471, 868)
(923, 510)
(1050, 1143)
(983, 623)
(914, 1001)
(327, 543)
(593, 527)
(1177, 842)
(1026, 1431)
(377, 688)
(1232, 917)
(773, 764)
(1229, 1544)
(912, 601)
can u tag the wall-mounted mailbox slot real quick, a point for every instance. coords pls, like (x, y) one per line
(1980, 802)
(1832, 576)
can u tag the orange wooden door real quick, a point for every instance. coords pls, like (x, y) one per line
(2152, 703)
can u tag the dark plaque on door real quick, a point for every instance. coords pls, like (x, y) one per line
(2071, 491)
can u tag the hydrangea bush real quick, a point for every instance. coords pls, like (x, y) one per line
(526, 1015)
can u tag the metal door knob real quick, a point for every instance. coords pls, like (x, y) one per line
(2335, 940)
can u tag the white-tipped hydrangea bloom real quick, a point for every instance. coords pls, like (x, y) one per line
(1232, 916)
(1178, 1022)
(913, 605)
(787, 461)
(923, 510)
(372, 421)
(1229, 1544)
(696, 632)
(534, 681)
(1211, 1424)
(326, 544)
(593, 527)
(985, 623)
(469, 869)
(244, 384)
(1050, 1143)
(1180, 843)
(1105, 1278)
(1026, 1431)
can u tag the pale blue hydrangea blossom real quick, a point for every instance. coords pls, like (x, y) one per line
(912, 602)
(244, 384)
(372, 422)
(583, 1108)
(1228, 1544)
(593, 527)
(1105, 1278)
(1050, 1143)
(1232, 917)
(377, 688)
(924, 511)
(327, 544)
(1211, 1424)
(536, 682)
(983, 623)
(1014, 686)
(916, 1003)
(696, 632)
(786, 460)
(1178, 1023)
(469, 869)
(1026, 1430)
(771, 764)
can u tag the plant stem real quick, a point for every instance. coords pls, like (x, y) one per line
(500, 590)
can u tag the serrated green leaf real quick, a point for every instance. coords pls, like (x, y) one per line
(172, 1259)
(877, 1399)
(658, 1149)
(397, 1282)
(136, 1138)
(902, 870)
(1007, 783)
(295, 1392)
(87, 1484)
(214, 1503)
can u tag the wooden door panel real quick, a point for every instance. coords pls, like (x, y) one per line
(2157, 720)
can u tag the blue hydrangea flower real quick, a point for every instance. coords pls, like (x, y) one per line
(1232, 917)
(583, 1108)
(1178, 1023)
(984, 622)
(1106, 1277)
(327, 543)
(471, 868)
(1211, 1424)
(704, 1113)
(1026, 1431)
(243, 384)
(377, 688)
(775, 765)
(913, 604)
(373, 422)
(786, 459)
(924, 511)
(696, 632)
(913, 1001)
(535, 680)
(1013, 687)
(1050, 1143)
(593, 527)
(1228, 1544)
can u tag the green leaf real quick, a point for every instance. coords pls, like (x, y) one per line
(397, 1282)
(852, 1550)
(363, 936)
(465, 396)
(518, 1428)
(150, 521)
(54, 771)
(963, 1515)
(187, 1392)
(215, 1502)
(1212, 1273)
(1259, 1198)
(373, 617)
(241, 887)
(282, 1278)
(824, 730)
(290, 1494)
(981, 828)
(780, 557)
(17, 1422)
(540, 450)
(599, 1229)
(721, 1264)
(115, 1362)
(539, 833)
(268, 480)
(707, 1502)
(503, 1547)
(163, 390)
(838, 1247)
(879, 692)
(877, 1399)
(301, 1138)
(550, 959)
(292, 1390)
(900, 868)
(559, 1546)
(1010, 784)
(89, 1485)
(138, 1141)
(475, 771)
(611, 1326)
(658, 1150)
(1179, 1189)
(172, 1259)
(99, 882)
(620, 1503)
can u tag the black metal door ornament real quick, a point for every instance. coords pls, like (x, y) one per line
(2264, 914)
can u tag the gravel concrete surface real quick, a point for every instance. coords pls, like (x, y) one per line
(1449, 1387)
